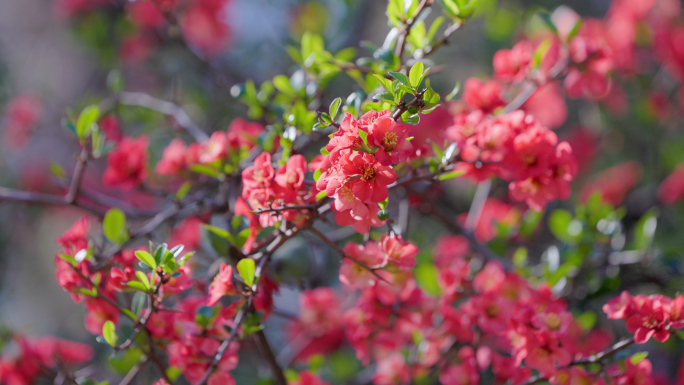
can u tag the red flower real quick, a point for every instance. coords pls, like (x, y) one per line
(222, 285)
(173, 158)
(391, 138)
(127, 164)
(372, 178)
(650, 319)
(398, 251)
(485, 96)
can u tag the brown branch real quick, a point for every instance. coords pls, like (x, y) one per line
(406, 30)
(344, 254)
(79, 169)
(589, 360)
(163, 107)
(444, 40)
(266, 350)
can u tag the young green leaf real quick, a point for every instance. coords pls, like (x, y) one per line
(416, 74)
(114, 226)
(403, 79)
(146, 258)
(109, 333)
(364, 136)
(450, 174)
(385, 83)
(575, 30)
(335, 108)
(143, 279)
(137, 285)
(221, 233)
(539, 53)
(246, 268)
(86, 119)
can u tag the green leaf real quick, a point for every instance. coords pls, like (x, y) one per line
(546, 18)
(564, 226)
(130, 314)
(183, 190)
(86, 119)
(143, 279)
(638, 357)
(644, 231)
(539, 53)
(146, 258)
(575, 30)
(383, 215)
(114, 226)
(221, 233)
(454, 92)
(137, 285)
(109, 333)
(520, 257)
(335, 108)
(241, 238)
(586, 320)
(384, 96)
(403, 79)
(205, 170)
(321, 195)
(282, 84)
(364, 136)
(427, 278)
(434, 28)
(246, 267)
(450, 174)
(57, 170)
(385, 83)
(416, 74)
(317, 174)
(451, 8)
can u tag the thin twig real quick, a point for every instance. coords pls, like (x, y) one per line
(266, 350)
(344, 254)
(167, 108)
(401, 40)
(589, 360)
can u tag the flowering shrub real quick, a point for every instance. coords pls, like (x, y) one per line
(459, 262)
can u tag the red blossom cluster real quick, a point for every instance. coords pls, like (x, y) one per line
(517, 148)
(190, 345)
(647, 316)
(220, 149)
(202, 23)
(265, 188)
(35, 356)
(482, 319)
(22, 114)
(358, 168)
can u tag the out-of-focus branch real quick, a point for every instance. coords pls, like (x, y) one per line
(79, 169)
(167, 108)
(589, 360)
(444, 40)
(406, 30)
(344, 254)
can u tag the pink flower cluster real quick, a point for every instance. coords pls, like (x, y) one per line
(202, 23)
(266, 188)
(36, 355)
(359, 168)
(21, 115)
(517, 148)
(388, 253)
(488, 318)
(222, 147)
(647, 316)
(189, 344)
